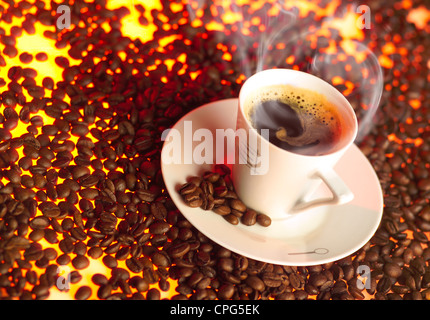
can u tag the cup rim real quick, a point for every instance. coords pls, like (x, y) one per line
(324, 83)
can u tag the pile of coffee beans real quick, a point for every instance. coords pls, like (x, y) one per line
(80, 178)
(214, 191)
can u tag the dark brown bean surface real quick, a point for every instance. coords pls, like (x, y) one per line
(83, 293)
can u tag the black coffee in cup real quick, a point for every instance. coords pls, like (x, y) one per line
(299, 120)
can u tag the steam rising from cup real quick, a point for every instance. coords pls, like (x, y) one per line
(332, 47)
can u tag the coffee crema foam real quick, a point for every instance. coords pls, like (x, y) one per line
(299, 120)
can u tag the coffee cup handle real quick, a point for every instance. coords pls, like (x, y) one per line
(340, 192)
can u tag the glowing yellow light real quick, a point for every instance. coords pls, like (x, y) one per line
(419, 16)
(415, 103)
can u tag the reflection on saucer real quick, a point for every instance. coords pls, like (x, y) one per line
(316, 251)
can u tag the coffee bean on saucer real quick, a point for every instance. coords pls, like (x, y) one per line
(187, 188)
(213, 191)
(195, 180)
(237, 205)
(192, 196)
(207, 187)
(222, 210)
(211, 176)
(249, 218)
(195, 203)
(219, 201)
(264, 220)
(231, 219)
(237, 213)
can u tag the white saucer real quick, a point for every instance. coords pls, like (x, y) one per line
(317, 236)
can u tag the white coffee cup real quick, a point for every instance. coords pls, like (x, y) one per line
(278, 182)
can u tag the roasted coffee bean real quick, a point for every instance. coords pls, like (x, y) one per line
(80, 262)
(195, 180)
(271, 279)
(195, 202)
(66, 245)
(295, 281)
(39, 223)
(392, 269)
(264, 220)
(188, 188)
(178, 250)
(158, 210)
(202, 258)
(88, 180)
(104, 291)
(122, 253)
(384, 285)
(232, 219)
(249, 218)
(80, 248)
(50, 209)
(241, 263)
(222, 210)
(89, 193)
(36, 235)
(141, 284)
(164, 285)
(113, 248)
(220, 191)
(110, 261)
(226, 264)
(41, 291)
(78, 233)
(160, 260)
(317, 279)
(143, 143)
(159, 227)
(63, 259)
(158, 240)
(99, 279)
(83, 293)
(194, 195)
(236, 213)
(95, 252)
(146, 195)
(151, 275)
(418, 265)
(153, 294)
(226, 291)
(210, 176)
(237, 205)
(33, 253)
(134, 265)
